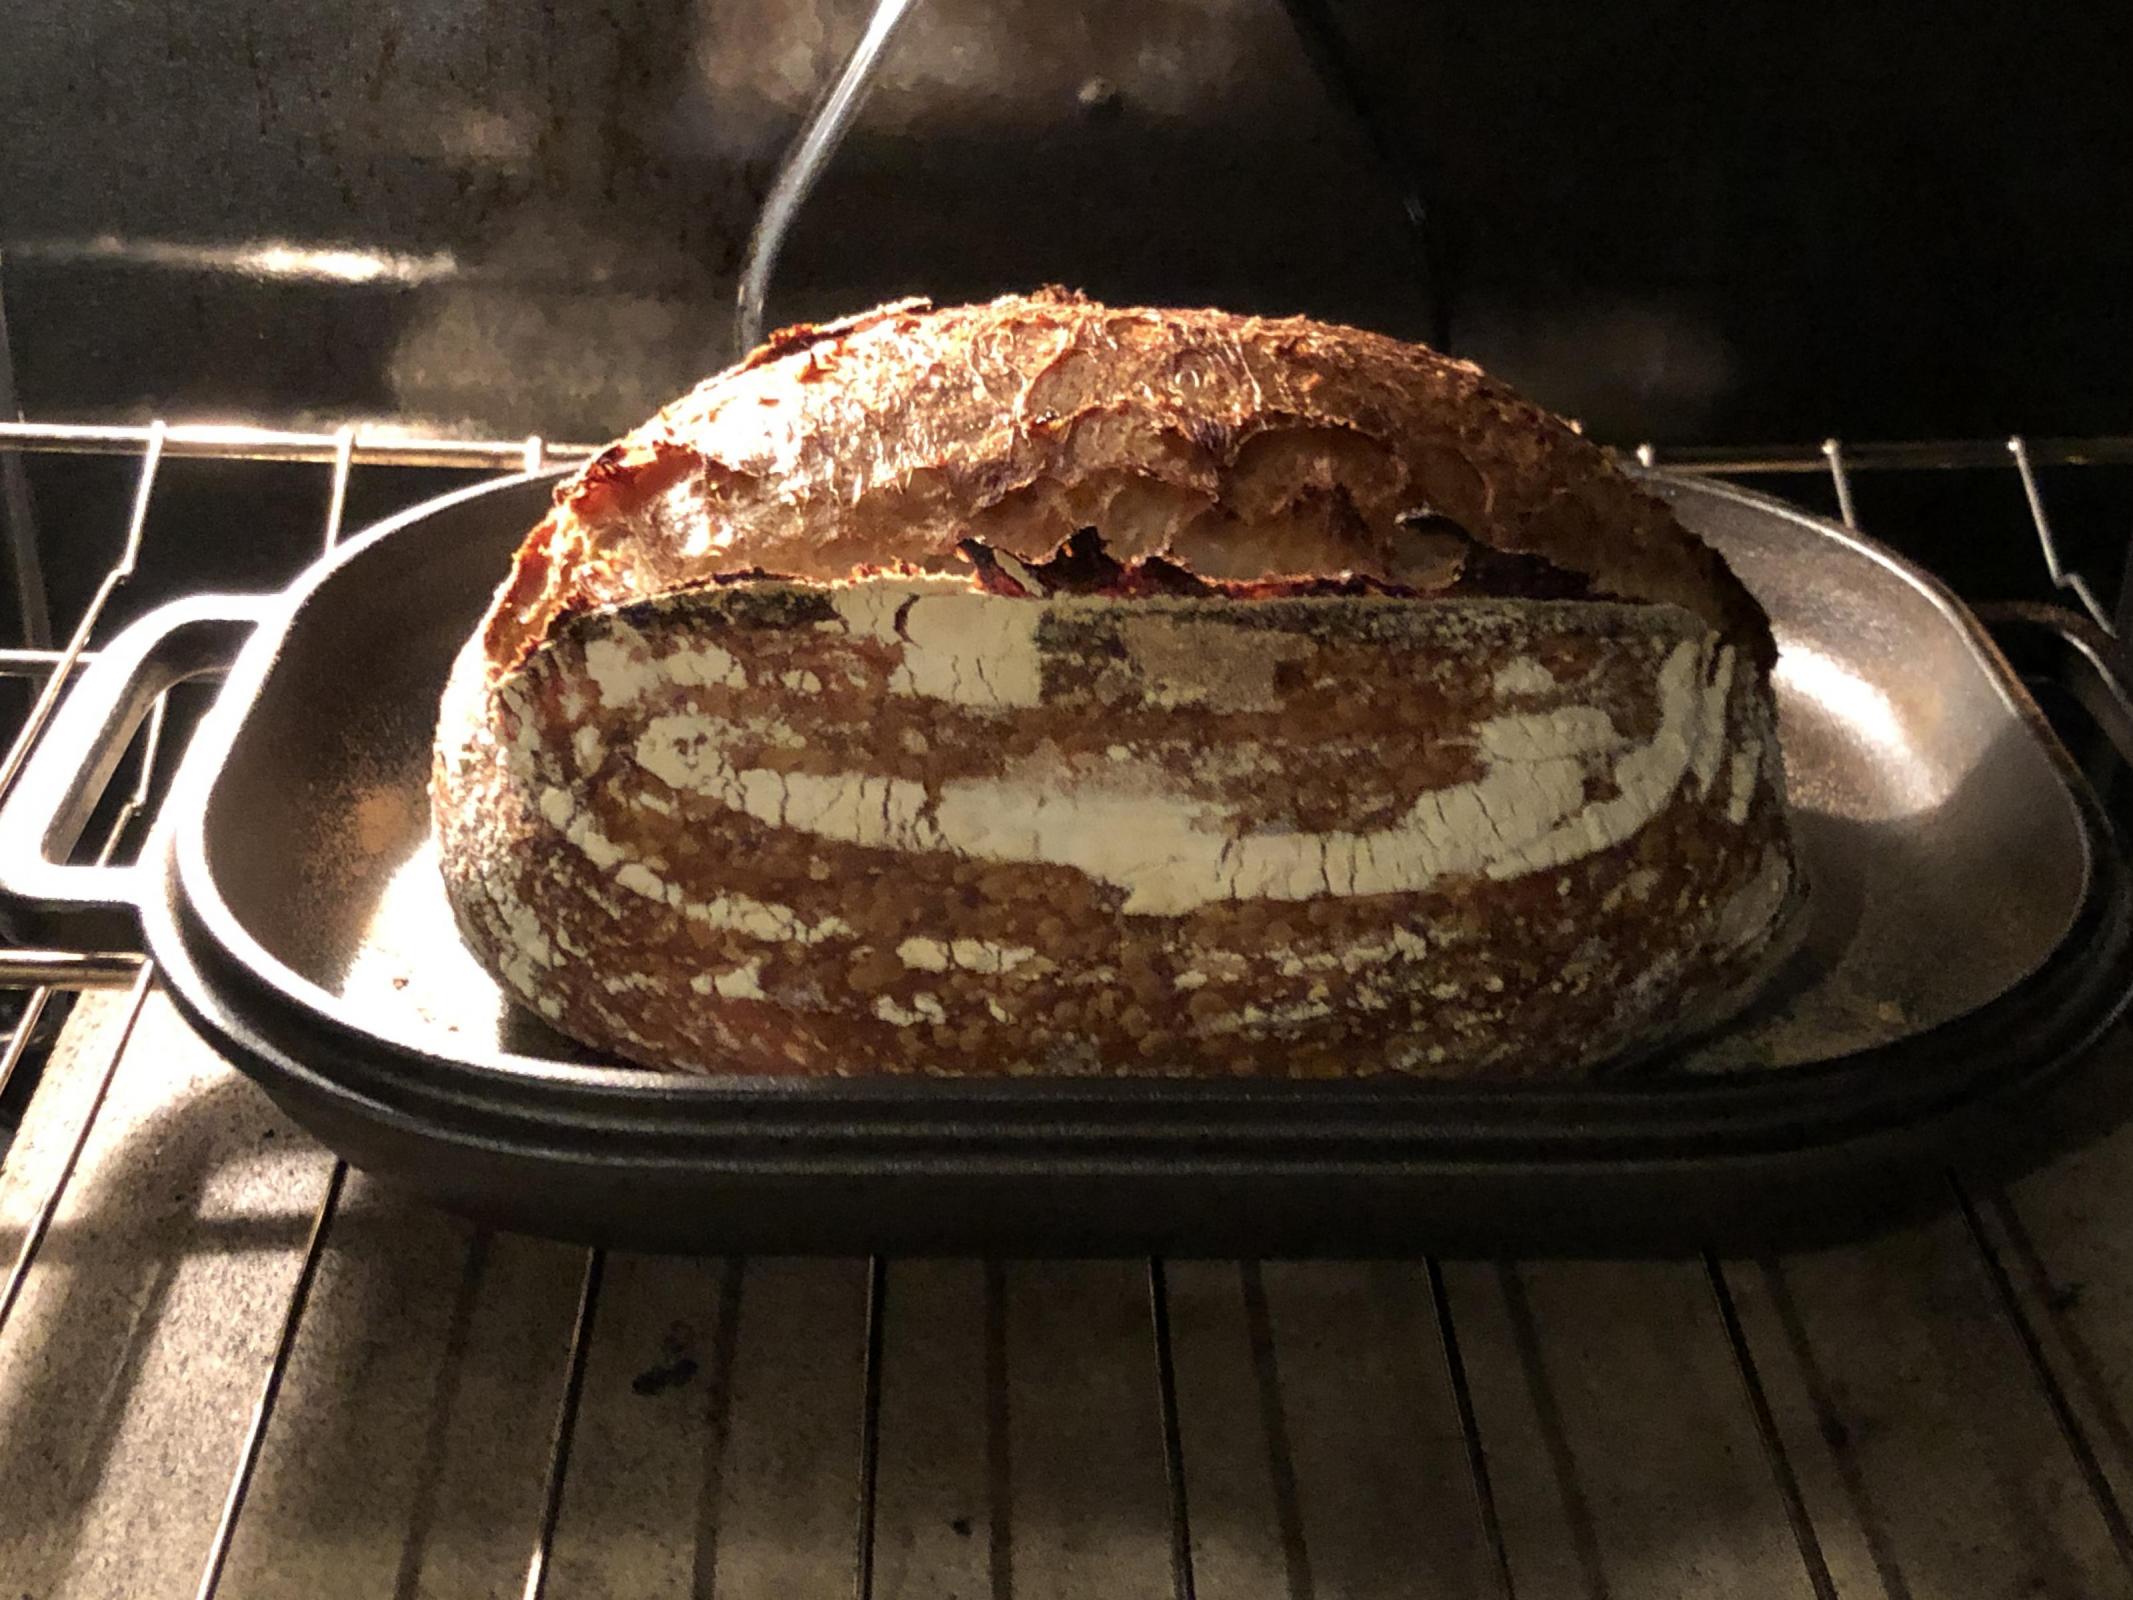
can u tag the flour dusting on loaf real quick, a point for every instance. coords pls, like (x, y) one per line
(1043, 688)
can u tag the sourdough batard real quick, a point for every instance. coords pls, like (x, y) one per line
(1046, 688)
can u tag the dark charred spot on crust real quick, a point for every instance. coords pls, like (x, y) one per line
(1428, 519)
(903, 619)
(1157, 575)
(991, 577)
(1508, 575)
(1080, 566)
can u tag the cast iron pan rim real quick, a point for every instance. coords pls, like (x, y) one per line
(2006, 682)
(514, 1077)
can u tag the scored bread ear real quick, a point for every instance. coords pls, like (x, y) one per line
(1240, 447)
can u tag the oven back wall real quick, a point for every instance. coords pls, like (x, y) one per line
(1684, 222)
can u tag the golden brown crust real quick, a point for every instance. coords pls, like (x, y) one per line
(1241, 445)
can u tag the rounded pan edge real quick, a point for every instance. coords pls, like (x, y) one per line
(724, 1195)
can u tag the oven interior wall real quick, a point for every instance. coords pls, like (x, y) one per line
(1678, 222)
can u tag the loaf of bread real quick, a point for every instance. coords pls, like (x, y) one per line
(1046, 688)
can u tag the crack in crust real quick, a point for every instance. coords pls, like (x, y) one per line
(1240, 447)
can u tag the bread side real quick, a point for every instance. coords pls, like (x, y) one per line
(895, 825)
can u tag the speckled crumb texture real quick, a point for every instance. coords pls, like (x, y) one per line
(899, 826)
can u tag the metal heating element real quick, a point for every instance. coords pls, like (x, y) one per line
(229, 1364)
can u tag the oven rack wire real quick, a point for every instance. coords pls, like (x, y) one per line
(1994, 1231)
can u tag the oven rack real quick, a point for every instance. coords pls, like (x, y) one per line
(1533, 1371)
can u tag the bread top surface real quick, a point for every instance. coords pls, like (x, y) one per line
(1239, 447)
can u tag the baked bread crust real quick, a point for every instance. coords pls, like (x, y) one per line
(1242, 445)
(856, 820)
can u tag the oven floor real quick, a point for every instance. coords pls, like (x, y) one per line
(1913, 1443)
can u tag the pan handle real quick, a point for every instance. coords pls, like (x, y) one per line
(2048, 641)
(98, 907)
